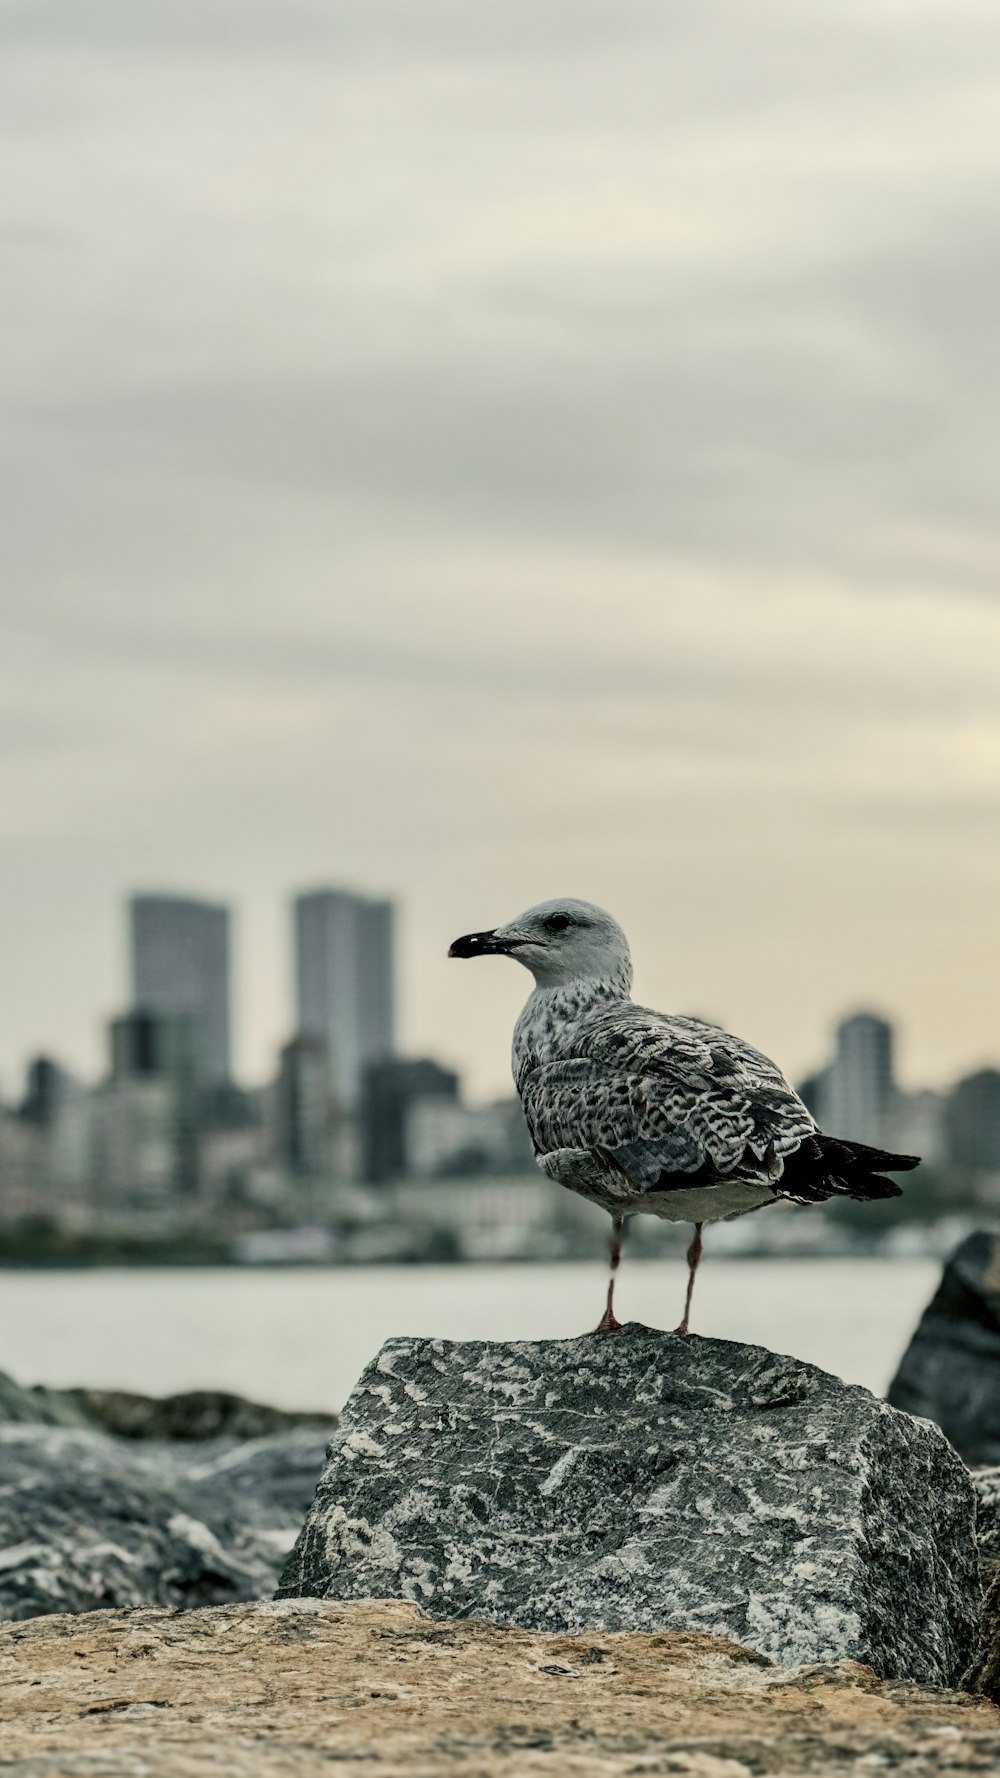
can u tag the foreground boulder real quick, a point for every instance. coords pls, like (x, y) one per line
(308, 1689)
(950, 1373)
(89, 1520)
(641, 1481)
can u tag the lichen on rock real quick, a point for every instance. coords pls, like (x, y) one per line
(307, 1689)
(644, 1482)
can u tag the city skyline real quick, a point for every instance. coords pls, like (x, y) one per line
(367, 1015)
(165, 1139)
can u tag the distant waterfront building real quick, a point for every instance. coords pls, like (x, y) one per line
(389, 1090)
(145, 1043)
(180, 966)
(345, 982)
(23, 1182)
(46, 1088)
(858, 1089)
(447, 1139)
(914, 1124)
(493, 1217)
(972, 1122)
(230, 1159)
(146, 1114)
(58, 1109)
(303, 1110)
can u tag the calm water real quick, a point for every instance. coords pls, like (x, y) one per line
(299, 1337)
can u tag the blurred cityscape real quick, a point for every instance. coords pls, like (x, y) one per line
(353, 1153)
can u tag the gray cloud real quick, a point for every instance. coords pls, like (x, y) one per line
(486, 451)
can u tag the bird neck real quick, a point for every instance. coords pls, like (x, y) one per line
(550, 1013)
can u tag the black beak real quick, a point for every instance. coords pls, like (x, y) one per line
(477, 944)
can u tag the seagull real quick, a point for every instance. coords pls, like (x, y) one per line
(643, 1111)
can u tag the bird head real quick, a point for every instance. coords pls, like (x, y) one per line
(559, 941)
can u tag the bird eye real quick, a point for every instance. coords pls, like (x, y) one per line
(557, 922)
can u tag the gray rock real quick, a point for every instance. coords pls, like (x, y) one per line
(90, 1521)
(642, 1481)
(984, 1673)
(196, 1414)
(987, 1485)
(950, 1373)
(22, 1405)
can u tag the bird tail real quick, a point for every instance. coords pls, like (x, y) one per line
(829, 1166)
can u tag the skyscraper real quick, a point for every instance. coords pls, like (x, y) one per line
(150, 1104)
(180, 965)
(344, 979)
(389, 1089)
(859, 1088)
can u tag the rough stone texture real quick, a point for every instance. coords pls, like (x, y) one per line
(984, 1673)
(950, 1373)
(376, 1689)
(987, 1485)
(197, 1414)
(642, 1481)
(87, 1520)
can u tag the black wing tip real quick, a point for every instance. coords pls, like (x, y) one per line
(831, 1166)
(902, 1163)
(877, 1160)
(874, 1186)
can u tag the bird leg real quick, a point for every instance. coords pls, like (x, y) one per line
(608, 1322)
(693, 1256)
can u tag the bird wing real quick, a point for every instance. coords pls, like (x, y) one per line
(657, 1096)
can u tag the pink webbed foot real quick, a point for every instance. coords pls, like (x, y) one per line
(609, 1322)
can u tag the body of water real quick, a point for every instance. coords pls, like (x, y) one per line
(298, 1337)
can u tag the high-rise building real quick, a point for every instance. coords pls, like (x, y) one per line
(859, 1089)
(302, 1111)
(180, 966)
(145, 1135)
(972, 1122)
(389, 1090)
(344, 979)
(155, 1062)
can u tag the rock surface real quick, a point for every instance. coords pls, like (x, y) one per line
(642, 1481)
(987, 1485)
(950, 1373)
(197, 1414)
(984, 1673)
(87, 1520)
(308, 1688)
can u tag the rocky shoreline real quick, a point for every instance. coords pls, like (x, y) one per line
(379, 1690)
(631, 1555)
(112, 1499)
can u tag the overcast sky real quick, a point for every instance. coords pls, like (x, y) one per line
(487, 452)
